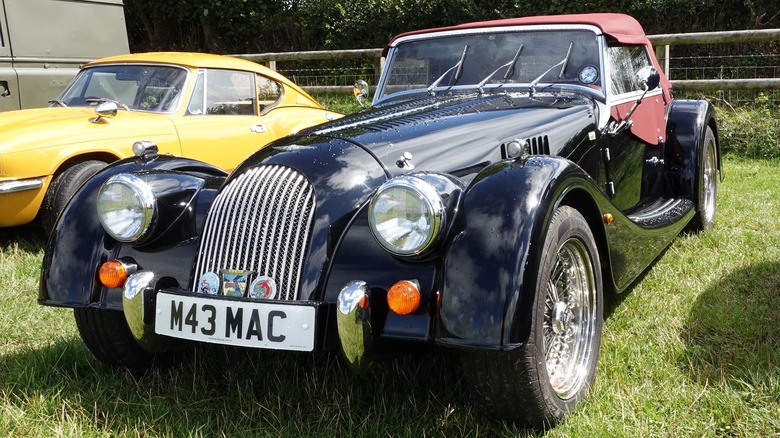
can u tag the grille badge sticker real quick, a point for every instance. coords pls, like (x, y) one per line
(208, 283)
(234, 282)
(263, 287)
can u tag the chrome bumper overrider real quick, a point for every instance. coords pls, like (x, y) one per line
(20, 185)
(354, 325)
(134, 302)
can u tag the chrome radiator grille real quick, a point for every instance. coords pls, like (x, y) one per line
(260, 222)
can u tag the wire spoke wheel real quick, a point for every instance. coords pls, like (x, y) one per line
(706, 183)
(709, 181)
(551, 370)
(569, 321)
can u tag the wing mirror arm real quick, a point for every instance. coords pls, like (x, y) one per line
(649, 79)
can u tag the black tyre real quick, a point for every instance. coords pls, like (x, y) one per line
(108, 338)
(63, 187)
(538, 383)
(706, 188)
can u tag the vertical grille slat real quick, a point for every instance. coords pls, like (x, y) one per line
(295, 251)
(281, 193)
(260, 222)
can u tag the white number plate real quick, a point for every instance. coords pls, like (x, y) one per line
(247, 324)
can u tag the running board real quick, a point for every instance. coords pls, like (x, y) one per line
(661, 213)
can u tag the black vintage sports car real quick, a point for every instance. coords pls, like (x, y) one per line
(509, 174)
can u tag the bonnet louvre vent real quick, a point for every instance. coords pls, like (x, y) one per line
(539, 145)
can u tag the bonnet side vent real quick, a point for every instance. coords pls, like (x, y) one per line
(539, 145)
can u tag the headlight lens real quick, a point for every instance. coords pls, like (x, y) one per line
(406, 215)
(126, 207)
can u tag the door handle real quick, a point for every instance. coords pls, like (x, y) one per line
(259, 128)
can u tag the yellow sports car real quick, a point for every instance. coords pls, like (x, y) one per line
(212, 108)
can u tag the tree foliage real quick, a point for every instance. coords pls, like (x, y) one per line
(253, 26)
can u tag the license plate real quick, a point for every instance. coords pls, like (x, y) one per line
(241, 323)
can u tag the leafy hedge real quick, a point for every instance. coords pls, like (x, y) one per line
(751, 131)
(252, 26)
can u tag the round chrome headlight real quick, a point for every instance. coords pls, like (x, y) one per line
(126, 207)
(406, 215)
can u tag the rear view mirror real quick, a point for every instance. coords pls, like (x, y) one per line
(360, 90)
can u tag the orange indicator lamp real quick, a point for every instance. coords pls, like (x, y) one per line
(403, 297)
(112, 274)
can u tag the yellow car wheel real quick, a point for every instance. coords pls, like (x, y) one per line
(63, 187)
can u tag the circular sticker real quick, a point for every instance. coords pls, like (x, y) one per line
(208, 283)
(263, 287)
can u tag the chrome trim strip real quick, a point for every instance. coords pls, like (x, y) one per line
(20, 185)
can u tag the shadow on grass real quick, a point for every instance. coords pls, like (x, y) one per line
(613, 301)
(228, 391)
(28, 238)
(733, 333)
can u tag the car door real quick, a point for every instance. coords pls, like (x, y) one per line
(630, 149)
(223, 123)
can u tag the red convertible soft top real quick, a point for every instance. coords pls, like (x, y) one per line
(623, 28)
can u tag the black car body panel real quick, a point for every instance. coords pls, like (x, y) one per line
(79, 241)
(461, 133)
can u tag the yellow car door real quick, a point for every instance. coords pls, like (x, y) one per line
(222, 124)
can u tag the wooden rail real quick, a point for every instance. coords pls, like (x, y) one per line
(662, 42)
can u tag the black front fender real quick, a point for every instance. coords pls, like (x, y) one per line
(491, 267)
(78, 244)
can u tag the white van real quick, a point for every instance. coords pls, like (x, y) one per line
(43, 43)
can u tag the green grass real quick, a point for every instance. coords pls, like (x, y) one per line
(692, 349)
(343, 103)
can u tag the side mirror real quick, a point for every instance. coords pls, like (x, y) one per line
(105, 110)
(648, 77)
(360, 90)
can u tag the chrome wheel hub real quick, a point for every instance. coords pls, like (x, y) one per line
(561, 318)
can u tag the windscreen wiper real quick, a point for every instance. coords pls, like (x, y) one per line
(509, 71)
(455, 76)
(563, 62)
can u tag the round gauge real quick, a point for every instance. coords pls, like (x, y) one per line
(588, 74)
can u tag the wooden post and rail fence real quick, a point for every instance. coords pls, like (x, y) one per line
(662, 44)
